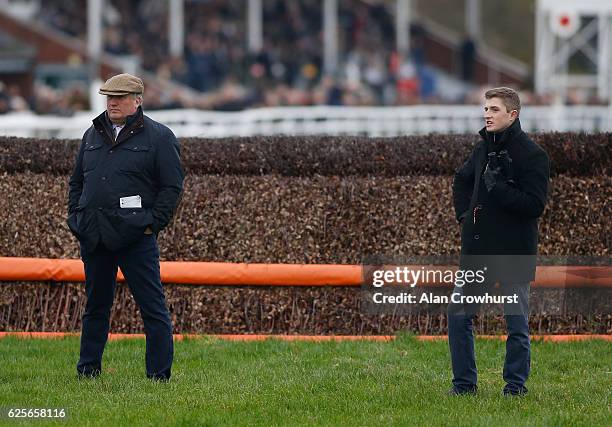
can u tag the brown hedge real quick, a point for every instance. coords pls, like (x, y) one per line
(305, 219)
(573, 154)
(300, 200)
(260, 310)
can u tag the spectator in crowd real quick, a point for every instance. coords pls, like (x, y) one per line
(11, 99)
(468, 59)
(5, 105)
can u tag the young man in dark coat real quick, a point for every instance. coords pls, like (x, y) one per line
(126, 184)
(499, 193)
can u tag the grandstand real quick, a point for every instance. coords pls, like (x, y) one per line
(228, 56)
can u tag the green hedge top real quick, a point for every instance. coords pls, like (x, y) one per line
(574, 154)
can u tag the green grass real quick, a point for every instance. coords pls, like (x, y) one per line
(294, 383)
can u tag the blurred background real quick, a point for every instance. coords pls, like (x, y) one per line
(264, 67)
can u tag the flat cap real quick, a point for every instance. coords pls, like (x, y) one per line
(122, 84)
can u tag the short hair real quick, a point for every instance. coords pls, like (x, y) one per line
(137, 96)
(508, 96)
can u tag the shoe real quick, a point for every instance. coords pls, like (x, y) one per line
(159, 378)
(88, 373)
(470, 391)
(515, 391)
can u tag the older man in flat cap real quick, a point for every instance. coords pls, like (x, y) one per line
(126, 184)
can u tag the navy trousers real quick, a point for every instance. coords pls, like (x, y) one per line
(140, 266)
(461, 338)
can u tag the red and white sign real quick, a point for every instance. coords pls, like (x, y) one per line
(564, 23)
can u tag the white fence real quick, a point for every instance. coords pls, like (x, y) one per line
(323, 120)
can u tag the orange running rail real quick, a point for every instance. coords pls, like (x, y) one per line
(242, 274)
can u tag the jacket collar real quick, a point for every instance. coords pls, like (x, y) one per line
(504, 136)
(134, 123)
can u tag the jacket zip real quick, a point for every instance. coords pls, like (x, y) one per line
(113, 142)
(476, 209)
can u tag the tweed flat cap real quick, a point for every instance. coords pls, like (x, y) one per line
(122, 84)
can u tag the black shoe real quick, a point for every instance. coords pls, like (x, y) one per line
(515, 391)
(470, 391)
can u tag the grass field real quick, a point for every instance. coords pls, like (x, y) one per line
(294, 383)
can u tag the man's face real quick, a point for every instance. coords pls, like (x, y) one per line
(497, 118)
(118, 107)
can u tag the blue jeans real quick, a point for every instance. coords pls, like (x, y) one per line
(461, 337)
(140, 266)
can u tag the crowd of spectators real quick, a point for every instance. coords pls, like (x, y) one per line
(223, 75)
(44, 100)
(287, 71)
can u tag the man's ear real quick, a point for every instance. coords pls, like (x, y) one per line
(514, 114)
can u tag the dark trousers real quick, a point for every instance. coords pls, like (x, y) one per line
(461, 337)
(140, 266)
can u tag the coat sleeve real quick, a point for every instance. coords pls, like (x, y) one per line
(75, 184)
(463, 186)
(528, 198)
(170, 180)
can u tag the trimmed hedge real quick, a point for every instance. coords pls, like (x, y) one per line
(261, 310)
(296, 200)
(305, 220)
(570, 153)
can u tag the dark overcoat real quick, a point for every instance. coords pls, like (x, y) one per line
(144, 161)
(503, 222)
